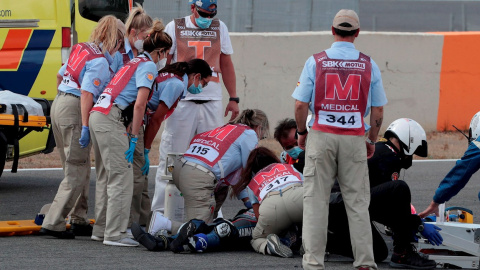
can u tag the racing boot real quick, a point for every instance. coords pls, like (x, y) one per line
(149, 241)
(411, 259)
(187, 230)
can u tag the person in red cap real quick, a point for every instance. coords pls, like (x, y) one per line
(199, 35)
(340, 86)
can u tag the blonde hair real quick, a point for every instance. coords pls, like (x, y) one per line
(254, 118)
(138, 19)
(106, 32)
(157, 38)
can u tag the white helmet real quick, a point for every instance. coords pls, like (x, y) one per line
(474, 130)
(411, 135)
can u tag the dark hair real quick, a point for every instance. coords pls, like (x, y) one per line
(258, 159)
(192, 66)
(344, 33)
(282, 130)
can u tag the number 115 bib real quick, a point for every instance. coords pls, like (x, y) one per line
(210, 146)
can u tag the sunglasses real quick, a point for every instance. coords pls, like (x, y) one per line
(206, 15)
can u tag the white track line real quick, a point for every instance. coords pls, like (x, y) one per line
(93, 168)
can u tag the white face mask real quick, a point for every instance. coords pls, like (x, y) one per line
(138, 45)
(161, 64)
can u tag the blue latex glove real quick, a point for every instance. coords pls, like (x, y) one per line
(430, 232)
(146, 167)
(84, 137)
(131, 149)
(248, 204)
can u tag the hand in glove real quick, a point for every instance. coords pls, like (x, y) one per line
(430, 232)
(248, 204)
(84, 137)
(146, 167)
(131, 150)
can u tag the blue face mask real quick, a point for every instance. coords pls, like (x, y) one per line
(203, 23)
(195, 89)
(294, 152)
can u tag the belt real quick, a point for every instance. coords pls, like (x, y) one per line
(67, 94)
(276, 192)
(198, 166)
(198, 101)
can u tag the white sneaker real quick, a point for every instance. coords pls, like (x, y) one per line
(129, 233)
(124, 242)
(158, 223)
(276, 247)
(96, 238)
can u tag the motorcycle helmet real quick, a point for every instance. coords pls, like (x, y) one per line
(411, 135)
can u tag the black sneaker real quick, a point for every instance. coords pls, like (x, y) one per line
(411, 259)
(149, 241)
(58, 234)
(81, 230)
(187, 230)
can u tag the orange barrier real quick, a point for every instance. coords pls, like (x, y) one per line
(459, 80)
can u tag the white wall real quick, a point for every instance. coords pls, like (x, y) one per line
(268, 66)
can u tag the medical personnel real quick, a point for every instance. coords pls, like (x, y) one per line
(137, 24)
(276, 194)
(390, 198)
(202, 112)
(80, 81)
(460, 174)
(340, 85)
(210, 165)
(286, 134)
(170, 85)
(131, 87)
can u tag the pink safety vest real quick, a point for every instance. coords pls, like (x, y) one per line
(81, 53)
(116, 85)
(210, 146)
(272, 177)
(341, 94)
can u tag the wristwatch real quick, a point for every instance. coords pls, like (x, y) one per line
(303, 132)
(132, 136)
(369, 141)
(236, 99)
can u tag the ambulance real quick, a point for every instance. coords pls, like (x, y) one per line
(35, 40)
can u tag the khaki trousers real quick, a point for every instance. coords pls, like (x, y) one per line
(114, 189)
(198, 192)
(277, 213)
(67, 127)
(330, 157)
(187, 120)
(140, 208)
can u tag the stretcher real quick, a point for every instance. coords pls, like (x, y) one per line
(23, 227)
(460, 248)
(16, 123)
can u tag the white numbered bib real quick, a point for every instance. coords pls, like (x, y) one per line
(278, 182)
(340, 119)
(104, 101)
(207, 152)
(68, 82)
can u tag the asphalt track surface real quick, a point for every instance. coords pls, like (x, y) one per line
(24, 193)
